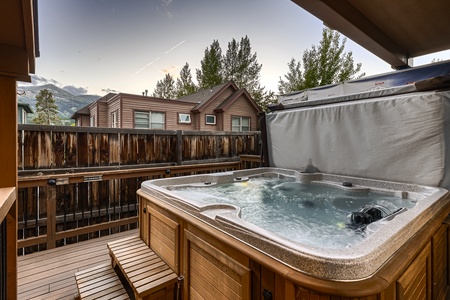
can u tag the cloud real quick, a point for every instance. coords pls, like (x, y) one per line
(165, 7)
(75, 90)
(108, 90)
(172, 70)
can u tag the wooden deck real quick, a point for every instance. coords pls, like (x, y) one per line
(50, 274)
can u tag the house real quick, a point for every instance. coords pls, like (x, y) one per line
(23, 110)
(224, 107)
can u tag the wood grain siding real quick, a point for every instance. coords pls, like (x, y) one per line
(114, 106)
(93, 114)
(84, 121)
(213, 274)
(242, 108)
(102, 115)
(171, 108)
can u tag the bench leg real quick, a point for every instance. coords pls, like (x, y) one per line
(113, 262)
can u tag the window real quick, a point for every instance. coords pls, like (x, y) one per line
(239, 124)
(210, 120)
(149, 120)
(157, 120)
(92, 121)
(184, 118)
(114, 120)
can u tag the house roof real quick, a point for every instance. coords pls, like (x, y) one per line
(82, 111)
(202, 98)
(393, 30)
(85, 109)
(199, 100)
(233, 97)
(26, 107)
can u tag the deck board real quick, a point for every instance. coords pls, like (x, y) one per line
(50, 274)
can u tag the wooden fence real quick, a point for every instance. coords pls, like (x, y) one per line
(80, 183)
(50, 149)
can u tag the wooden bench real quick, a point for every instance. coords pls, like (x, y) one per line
(148, 275)
(100, 282)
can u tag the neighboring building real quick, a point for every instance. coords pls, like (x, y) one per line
(23, 110)
(224, 107)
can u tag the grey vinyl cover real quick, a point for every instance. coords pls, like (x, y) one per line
(401, 138)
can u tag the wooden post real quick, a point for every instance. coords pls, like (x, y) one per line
(50, 192)
(179, 147)
(8, 174)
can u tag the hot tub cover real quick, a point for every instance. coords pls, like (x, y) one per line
(402, 137)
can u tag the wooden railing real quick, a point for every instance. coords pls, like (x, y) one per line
(68, 193)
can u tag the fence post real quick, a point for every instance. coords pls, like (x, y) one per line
(179, 147)
(51, 216)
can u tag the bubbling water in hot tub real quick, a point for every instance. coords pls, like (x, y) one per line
(308, 213)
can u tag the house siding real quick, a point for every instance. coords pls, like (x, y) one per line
(93, 114)
(223, 99)
(209, 110)
(114, 106)
(168, 107)
(242, 108)
(103, 117)
(84, 120)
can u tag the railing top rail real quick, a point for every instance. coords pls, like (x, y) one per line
(47, 128)
(42, 180)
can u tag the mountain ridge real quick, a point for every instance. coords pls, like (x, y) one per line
(67, 102)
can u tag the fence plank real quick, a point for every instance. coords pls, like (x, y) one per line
(70, 153)
(82, 149)
(104, 149)
(94, 149)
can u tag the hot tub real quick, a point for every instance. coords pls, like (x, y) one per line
(330, 227)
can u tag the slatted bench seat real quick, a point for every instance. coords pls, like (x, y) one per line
(148, 275)
(100, 282)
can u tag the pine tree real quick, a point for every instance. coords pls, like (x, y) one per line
(322, 65)
(185, 85)
(165, 88)
(46, 109)
(210, 73)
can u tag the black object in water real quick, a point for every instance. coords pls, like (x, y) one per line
(308, 203)
(366, 215)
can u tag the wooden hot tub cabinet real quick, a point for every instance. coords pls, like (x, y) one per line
(217, 266)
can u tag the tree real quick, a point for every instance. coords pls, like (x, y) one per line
(294, 78)
(46, 109)
(165, 88)
(241, 66)
(210, 73)
(322, 65)
(185, 85)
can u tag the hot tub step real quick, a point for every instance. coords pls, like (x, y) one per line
(148, 275)
(100, 282)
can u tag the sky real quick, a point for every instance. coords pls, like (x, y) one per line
(98, 46)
